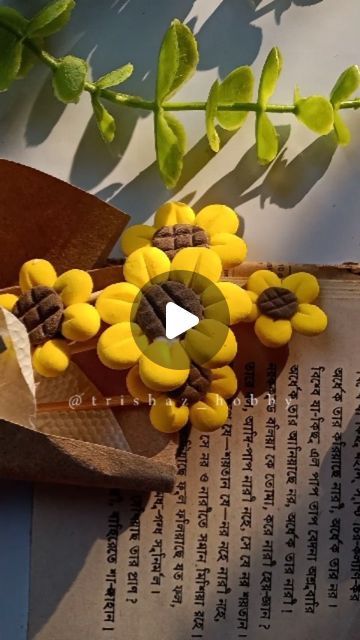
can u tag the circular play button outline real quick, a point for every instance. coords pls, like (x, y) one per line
(203, 336)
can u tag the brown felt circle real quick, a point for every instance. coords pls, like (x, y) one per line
(277, 303)
(172, 238)
(195, 387)
(151, 312)
(149, 309)
(41, 310)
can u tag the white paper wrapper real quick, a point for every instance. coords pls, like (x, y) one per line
(20, 392)
(17, 385)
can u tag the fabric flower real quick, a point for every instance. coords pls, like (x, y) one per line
(55, 312)
(136, 311)
(176, 226)
(280, 307)
(201, 400)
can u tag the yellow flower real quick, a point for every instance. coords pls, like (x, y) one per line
(55, 312)
(201, 400)
(136, 311)
(176, 226)
(280, 307)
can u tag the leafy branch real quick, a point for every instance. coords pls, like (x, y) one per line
(227, 106)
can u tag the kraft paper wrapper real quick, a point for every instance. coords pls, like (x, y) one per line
(43, 217)
(115, 448)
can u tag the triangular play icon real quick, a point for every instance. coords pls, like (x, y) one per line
(178, 320)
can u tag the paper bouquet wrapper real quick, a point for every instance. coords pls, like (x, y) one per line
(43, 217)
(106, 448)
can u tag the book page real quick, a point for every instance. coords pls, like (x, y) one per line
(262, 534)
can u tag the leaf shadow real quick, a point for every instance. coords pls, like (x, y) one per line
(281, 6)
(42, 120)
(230, 27)
(287, 183)
(232, 186)
(146, 192)
(94, 159)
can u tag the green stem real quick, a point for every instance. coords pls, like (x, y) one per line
(140, 103)
(113, 96)
(350, 104)
(235, 106)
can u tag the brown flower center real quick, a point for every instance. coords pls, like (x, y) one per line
(41, 310)
(195, 387)
(171, 239)
(151, 312)
(277, 303)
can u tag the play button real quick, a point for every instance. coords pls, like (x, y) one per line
(178, 320)
(172, 308)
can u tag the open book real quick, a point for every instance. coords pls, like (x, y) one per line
(261, 537)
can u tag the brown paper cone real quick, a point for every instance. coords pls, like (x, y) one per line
(28, 455)
(42, 217)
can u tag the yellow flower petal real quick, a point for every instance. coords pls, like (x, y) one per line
(118, 302)
(135, 237)
(261, 280)
(217, 218)
(231, 249)
(165, 416)
(36, 272)
(254, 313)
(224, 382)
(273, 333)
(146, 265)
(117, 347)
(164, 365)
(210, 344)
(81, 322)
(74, 286)
(137, 388)
(8, 301)
(226, 302)
(210, 413)
(309, 320)
(174, 213)
(52, 358)
(304, 285)
(195, 266)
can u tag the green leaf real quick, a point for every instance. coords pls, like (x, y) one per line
(269, 76)
(28, 58)
(104, 120)
(51, 18)
(341, 129)
(238, 86)
(170, 147)
(317, 113)
(113, 78)
(69, 79)
(210, 115)
(10, 58)
(297, 94)
(346, 84)
(14, 19)
(267, 143)
(178, 59)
